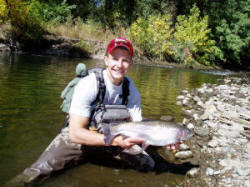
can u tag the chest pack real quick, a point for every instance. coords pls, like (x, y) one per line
(102, 113)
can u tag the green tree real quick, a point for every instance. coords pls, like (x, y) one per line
(229, 21)
(192, 34)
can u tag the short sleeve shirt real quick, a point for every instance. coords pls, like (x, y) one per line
(86, 92)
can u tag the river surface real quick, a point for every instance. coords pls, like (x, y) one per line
(30, 115)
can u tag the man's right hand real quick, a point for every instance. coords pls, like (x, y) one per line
(126, 142)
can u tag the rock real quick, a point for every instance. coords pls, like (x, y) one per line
(187, 112)
(247, 183)
(209, 91)
(184, 91)
(196, 117)
(183, 147)
(200, 131)
(227, 81)
(184, 154)
(196, 98)
(217, 172)
(180, 97)
(116, 171)
(200, 103)
(209, 171)
(179, 103)
(185, 121)
(204, 116)
(212, 143)
(190, 126)
(223, 162)
(194, 172)
(212, 124)
(167, 118)
(4, 48)
(185, 102)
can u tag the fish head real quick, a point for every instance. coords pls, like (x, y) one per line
(184, 134)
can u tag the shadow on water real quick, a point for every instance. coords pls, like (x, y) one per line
(104, 159)
(161, 165)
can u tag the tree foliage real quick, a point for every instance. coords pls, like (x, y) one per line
(153, 35)
(229, 22)
(192, 35)
(3, 10)
(224, 35)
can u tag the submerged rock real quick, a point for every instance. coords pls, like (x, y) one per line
(194, 172)
(183, 154)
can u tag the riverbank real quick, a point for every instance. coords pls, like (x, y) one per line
(81, 48)
(220, 118)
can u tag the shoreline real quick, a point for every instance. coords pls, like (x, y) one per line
(66, 47)
(219, 115)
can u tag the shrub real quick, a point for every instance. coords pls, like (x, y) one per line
(153, 35)
(192, 37)
(3, 11)
(51, 10)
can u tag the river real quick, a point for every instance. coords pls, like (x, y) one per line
(30, 115)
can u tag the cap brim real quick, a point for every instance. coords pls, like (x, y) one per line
(120, 45)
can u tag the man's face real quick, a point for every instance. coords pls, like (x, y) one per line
(118, 64)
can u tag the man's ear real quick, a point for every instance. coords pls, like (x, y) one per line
(106, 60)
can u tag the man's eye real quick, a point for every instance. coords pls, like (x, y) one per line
(127, 60)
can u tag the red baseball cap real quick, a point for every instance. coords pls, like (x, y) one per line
(120, 41)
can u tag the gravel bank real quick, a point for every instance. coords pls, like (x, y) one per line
(220, 118)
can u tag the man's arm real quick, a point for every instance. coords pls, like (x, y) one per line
(78, 133)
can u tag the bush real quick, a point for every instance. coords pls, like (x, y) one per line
(51, 10)
(153, 35)
(3, 11)
(232, 30)
(192, 39)
(29, 18)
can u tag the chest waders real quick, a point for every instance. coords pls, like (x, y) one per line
(62, 152)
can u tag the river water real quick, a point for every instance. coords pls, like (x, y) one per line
(30, 115)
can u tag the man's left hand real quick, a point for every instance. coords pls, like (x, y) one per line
(173, 146)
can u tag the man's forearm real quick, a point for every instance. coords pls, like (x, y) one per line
(86, 137)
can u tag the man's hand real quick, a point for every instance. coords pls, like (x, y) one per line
(126, 142)
(174, 146)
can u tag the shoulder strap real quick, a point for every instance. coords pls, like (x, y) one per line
(125, 91)
(102, 88)
(100, 83)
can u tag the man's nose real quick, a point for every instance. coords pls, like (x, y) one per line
(119, 62)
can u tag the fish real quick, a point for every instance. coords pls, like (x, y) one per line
(155, 133)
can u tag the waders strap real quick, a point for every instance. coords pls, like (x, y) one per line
(125, 91)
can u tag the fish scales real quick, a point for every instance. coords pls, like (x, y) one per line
(157, 133)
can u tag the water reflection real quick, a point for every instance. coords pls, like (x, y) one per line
(30, 117)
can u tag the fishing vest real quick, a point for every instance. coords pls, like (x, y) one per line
(108, 113)
(101, 113)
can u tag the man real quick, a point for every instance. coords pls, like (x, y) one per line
(118, 60)
(76, 141)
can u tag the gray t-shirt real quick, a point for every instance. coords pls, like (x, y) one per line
(86, 91)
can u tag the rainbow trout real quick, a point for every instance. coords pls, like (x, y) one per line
(156, 133)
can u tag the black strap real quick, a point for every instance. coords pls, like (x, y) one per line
(125, 91)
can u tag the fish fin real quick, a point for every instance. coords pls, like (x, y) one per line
(144, 146)
(107, 135)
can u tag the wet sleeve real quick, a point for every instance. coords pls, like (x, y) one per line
(134, 102)
(84, 94)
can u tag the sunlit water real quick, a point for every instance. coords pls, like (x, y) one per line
(30, 115)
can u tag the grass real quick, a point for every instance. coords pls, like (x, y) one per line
(77, 29)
